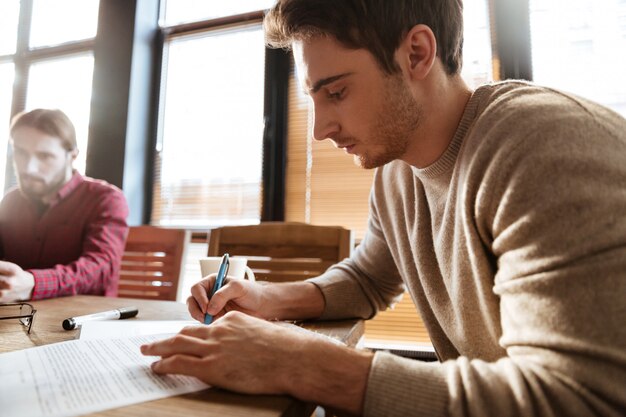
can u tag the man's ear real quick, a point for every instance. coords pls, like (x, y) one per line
(73, 154)
(417, 52)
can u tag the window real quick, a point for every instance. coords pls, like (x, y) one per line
(323, 185)
(578, 47)
(50, 65)
(184, 11)
(8, 26)
(6, 91)
(209, 156)
(621, 17)
(64, 83)
(477, 65)
(61, 21)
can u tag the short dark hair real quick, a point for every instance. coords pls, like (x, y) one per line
(376, 25)
(50, 121)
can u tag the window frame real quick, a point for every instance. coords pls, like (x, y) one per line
(274, 113)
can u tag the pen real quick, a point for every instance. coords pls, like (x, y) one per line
(221, 274)
(117, 314)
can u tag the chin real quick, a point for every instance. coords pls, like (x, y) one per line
(33, 194)
(369, 163)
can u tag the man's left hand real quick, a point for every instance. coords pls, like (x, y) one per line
(250, 355)
(236, 352)
(15, 283)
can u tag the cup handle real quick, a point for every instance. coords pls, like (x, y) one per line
(250, 274)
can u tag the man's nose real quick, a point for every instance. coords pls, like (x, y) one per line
(31, 165)
(325, 123)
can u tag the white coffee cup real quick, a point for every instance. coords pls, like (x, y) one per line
(238, 267)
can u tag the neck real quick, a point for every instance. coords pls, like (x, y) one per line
(443, 109)
(49, 197)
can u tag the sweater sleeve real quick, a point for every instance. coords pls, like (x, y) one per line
(551, 207)
(367, 282)
(96, 271)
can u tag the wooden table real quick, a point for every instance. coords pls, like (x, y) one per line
(210, 402)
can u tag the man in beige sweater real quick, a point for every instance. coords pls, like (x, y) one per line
(502, 211)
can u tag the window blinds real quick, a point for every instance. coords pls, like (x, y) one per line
(325, 187)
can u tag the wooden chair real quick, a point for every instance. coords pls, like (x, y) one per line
(279, 251)
(152, 263)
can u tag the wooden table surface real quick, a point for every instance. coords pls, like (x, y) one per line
(210, 402)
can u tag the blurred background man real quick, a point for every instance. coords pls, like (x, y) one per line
(61, 233)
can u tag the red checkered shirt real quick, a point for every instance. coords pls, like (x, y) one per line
(75, 246)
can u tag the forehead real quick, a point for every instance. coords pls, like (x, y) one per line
(324, 57)
(34, 140)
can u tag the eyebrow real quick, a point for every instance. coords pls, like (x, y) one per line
(325, 81)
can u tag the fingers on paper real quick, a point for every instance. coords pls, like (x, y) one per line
(179, 344)
(179, 364)
(198, 332)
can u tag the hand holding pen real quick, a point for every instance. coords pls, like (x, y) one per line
(207, 296)
(219, 281)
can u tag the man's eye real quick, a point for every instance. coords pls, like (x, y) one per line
(335, 95)
(19, 154)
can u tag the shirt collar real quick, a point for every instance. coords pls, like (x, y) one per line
(68, 188)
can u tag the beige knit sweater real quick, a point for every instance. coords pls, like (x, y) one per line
(513, 247)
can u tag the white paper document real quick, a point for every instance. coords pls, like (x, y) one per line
(126, 328)
(83, 376)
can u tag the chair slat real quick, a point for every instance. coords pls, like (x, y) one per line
(148, 268)
(127, 287)
(279, 233)
(276, 277)
(290, 265)
(281, 251)
(167, 258)
(145, 277)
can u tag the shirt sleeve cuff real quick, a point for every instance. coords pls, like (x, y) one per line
(45, 284)
(400, 387)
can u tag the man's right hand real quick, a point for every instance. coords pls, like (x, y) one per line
(15, 283)
(270, 301)
(236, 294)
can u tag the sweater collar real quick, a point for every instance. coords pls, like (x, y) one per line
(448, 159)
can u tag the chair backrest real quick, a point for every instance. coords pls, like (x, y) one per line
(152, 263)
(283, 251)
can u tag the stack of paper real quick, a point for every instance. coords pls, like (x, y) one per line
(88, 375)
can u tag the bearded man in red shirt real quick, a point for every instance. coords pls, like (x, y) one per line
(61, 233)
